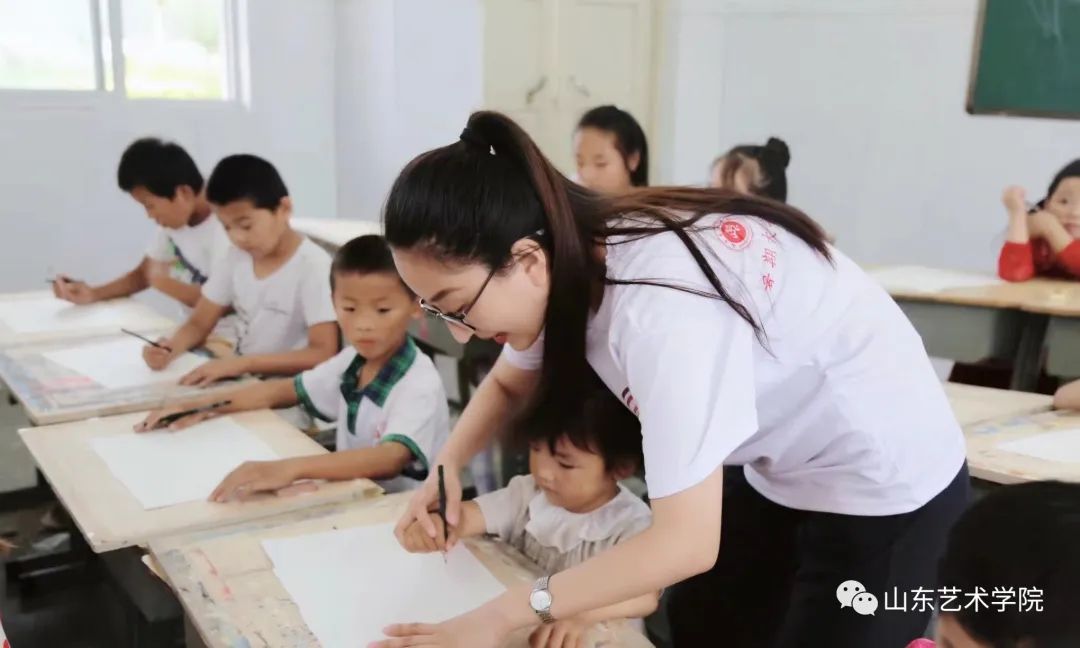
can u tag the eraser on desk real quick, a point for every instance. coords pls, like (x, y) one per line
(921, 643)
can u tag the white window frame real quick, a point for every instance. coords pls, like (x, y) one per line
(234, 36)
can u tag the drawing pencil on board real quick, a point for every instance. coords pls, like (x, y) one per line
(165, 421)
(146, 339)
(64, 279)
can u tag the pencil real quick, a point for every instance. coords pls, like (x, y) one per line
(176, 416)
(442, 509)
(146, 339)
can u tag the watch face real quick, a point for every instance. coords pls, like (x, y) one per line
(540, 600)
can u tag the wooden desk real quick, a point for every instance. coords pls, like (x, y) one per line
(973, 404)
(227, 585)
(1059, 301)
(134, 315)
(972, 323)
(332, 233)
(110, 517)
(988, 461)
(52, 393)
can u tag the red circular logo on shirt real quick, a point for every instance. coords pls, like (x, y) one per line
(734, 233)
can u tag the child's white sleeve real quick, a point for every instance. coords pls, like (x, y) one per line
(504, 509)
(530, 359)
(315, 298)
(318, 389)
(418, 418)
(161, 247)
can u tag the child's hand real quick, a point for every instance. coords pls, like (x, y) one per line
(1042, 223)
(76, 292)
(416, 540)
(214, 371)
(564, 633)
(254, 477)
(1014, 199)
(154, 417)
(157, 358)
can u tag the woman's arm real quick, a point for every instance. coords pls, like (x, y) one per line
(505, 389)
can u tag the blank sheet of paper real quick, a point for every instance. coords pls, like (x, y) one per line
(164, 468)
(1062, 446)
(118, 364)
(48, 314)
(928, 280)
(351, 583)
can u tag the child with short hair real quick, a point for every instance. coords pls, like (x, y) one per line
(1044, 240)
(163, 178)
(1022, 536)
(386, 396)
(569, 507)
(754, 169)
(272, 277)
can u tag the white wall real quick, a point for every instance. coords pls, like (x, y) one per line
(409, 72)
(870, 96)
(60, 208)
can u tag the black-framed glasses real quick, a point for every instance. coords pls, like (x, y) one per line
(458, 318)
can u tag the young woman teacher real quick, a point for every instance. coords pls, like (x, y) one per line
(739, 337)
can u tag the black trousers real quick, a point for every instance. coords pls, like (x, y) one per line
(777, 573)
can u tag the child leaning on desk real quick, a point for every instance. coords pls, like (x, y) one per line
(569, 507)
(385, 395)
(1044, 240)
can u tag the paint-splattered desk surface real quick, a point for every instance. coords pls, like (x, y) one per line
(1026, 447)
(973, 404)
(232, 597)
(37, 316)
(111, 517)
(51, 392)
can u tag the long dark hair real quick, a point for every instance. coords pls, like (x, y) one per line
(472, 200)
(629, 138)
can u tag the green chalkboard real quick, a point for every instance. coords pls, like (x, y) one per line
(1026, 59)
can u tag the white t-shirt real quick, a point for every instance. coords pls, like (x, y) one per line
(190, 251)
(842, 412)
(405, 403)
(274, 313)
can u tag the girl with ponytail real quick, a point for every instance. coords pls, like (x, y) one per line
(738, 337)
(754, 169)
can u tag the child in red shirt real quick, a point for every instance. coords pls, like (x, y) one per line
(1045, 240)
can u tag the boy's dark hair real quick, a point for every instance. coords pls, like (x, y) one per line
(246, 177)
(158, 166)
(367, 254)
(1020, 536)
(603, 426)
(629, 138)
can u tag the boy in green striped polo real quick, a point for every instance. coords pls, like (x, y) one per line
(385, 395)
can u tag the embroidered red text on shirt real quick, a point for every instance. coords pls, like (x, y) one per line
(628, 399)
(769, 257)
(767, 281)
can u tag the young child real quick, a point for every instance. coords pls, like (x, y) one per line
(385, 395)
(568, 508)
(754, 169)
(1021, 538)
(1043, 240)
(611, 151)
(272, 277)
(163, 178)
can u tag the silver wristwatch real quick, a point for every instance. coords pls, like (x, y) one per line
(540, 599)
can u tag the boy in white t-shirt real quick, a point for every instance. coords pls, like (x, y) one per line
(163, 178)
(386, 396)
(274, 279)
